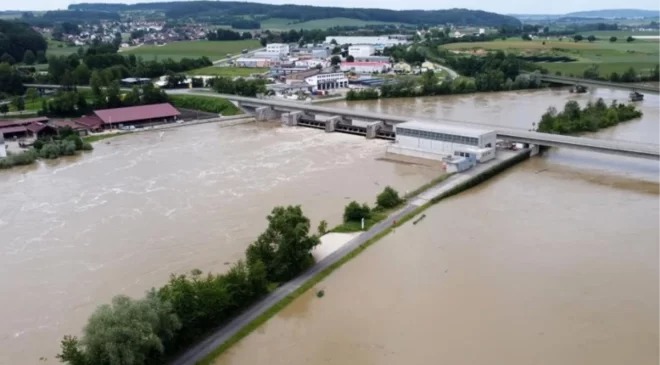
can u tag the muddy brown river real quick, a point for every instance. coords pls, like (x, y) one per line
(553, 262)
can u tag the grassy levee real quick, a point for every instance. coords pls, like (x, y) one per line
(98, 137)
(427, 186)
(476, 180)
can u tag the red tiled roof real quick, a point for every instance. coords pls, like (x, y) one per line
(68, 123)
(89, 121)
(14, 129)
(136, 113)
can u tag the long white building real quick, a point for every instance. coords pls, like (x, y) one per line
(361, 50)
(278, 48)
(437, 141)
(365, 67)
(379, 42)
(327, 81)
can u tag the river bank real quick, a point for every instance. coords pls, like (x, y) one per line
(207, 351)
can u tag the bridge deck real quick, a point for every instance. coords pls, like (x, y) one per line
(575, 80)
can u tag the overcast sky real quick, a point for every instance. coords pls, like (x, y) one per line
(504, 7)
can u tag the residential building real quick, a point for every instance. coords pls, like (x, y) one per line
(327, 81)
(365, 67)
(361, 50)
(30, 127)
(311, 63)
(278, 48)
(320, 53)
(439, 142)
(402, 67)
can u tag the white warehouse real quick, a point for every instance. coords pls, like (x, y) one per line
(327, 81)
(361, 50)
(437, 141)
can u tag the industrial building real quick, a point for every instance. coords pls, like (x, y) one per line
(361, 50)
(327, 81)
(371, 59)
(443, 142)
(137, 115)
(278, 48)
(365, 67)
(253, 62)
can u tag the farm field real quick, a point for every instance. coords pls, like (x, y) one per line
(280, 23)
(214, 50)
(57, 48)
(226, 71)
(642, 55)
(621, 34)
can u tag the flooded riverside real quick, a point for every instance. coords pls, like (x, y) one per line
(77, 231)
(554, 261)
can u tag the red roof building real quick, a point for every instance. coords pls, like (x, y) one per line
(137, 114)
(23, 122)
(89, 122)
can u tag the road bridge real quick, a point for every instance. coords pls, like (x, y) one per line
(625, 148)
(580, 81)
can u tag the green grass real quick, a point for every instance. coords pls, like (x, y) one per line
(29, 105)
(621, 34)
(285, 24)
(57, 48)
(100, 137)
(427, 186)
(642, 55)
(193, 49)
(226, 71)
(208, 104)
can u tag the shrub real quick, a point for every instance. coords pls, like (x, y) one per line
(86, 146)
(389, 198)
(355, 212)
(323, 227)
(50, 150)
(18, 159)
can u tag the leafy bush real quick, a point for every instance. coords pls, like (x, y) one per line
(389, 198)
(18, 159)
(86, 146)
(355, 212)
(50, 150)
(204, 103)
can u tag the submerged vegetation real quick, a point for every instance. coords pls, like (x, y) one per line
(65, 143)
(592, 117)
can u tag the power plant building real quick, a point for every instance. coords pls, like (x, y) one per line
(441, 142)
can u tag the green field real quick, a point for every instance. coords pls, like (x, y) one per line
(642, 55)
(57, 48)
(226, 71)
(279, 23)
(621, 34)
(193, 49)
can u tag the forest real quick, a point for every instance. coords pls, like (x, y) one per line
(178, 9)
(17, 38)
(594, 116)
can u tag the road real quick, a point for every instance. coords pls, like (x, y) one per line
(197, 353)
(453, 74)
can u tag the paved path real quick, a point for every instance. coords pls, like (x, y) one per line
(197, 353)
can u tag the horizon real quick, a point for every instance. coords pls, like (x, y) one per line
(506, 9)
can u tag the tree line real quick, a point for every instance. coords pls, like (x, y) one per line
(195, 9)
(630, 75)
(77, 68)
(227, 35)
(594, 116)
(73, 103)
(240, 86)
(148, 330)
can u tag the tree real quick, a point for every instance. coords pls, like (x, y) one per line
(322, 228)
(246, 35)
(4, 108)
(29, 58)
(284, 248)
(389, 198)
(591, 38)
(41, 57)
(263, 42)
(355, 212)
(350, 58)
(96, 82)
(630, 39)
(336, 50)
(18, 103)
(126, 332)
(335, 60)
(31, 94)
(81, 74)
(578, 37)
(333, 41)
(7, 58)
(526, 37)
(613, 39)
(113, 95)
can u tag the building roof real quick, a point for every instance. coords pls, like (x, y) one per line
(36, 127)
(365, 63)
(26, 121)
(14, 129)
(136, 113)
(444, 128)
(89, 121)
(69, 123)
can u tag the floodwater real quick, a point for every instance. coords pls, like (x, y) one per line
(553, 262)
(74, 233)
